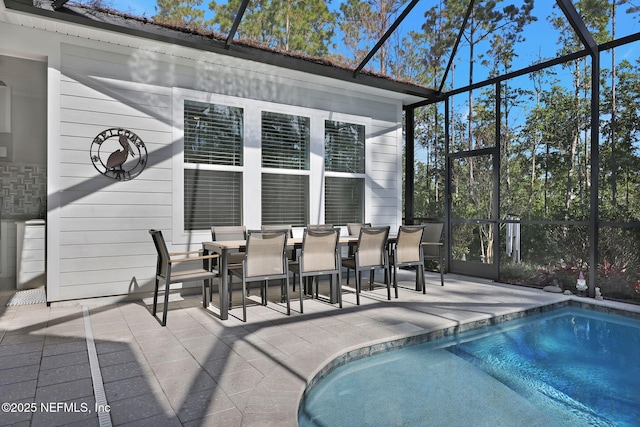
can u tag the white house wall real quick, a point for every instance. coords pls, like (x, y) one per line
(98, 240)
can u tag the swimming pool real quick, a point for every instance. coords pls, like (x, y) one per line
(566, 367)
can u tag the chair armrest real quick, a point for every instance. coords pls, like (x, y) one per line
(186, 253)
(432, 244)
(197, 258)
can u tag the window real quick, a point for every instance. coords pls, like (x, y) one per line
(345, 167)
(285, 141)
(285, 145)
(212, 198)
(296, 165)
(343, 200)
(285, 199)
(344, 147)
(213, 147)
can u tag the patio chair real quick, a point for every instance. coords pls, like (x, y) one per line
(320, 226)
(291, 253)
(165, 272)
(370, 255)
(230, 232)
(408, 252)
(433, 247)
(264, 260)
(353, 228)
(278, 228)
(319, 257)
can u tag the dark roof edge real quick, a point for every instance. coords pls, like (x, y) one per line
(200, 42)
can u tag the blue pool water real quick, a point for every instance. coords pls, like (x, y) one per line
(568, 367)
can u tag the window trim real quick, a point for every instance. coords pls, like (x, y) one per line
(179, 96)
(368, 161)
(252, 169)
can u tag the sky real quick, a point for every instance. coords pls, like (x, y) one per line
(540, 44)
(541, 38)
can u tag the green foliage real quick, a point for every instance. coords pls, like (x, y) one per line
(303, 26)
(524, 273)
(180, 13)
(544, 122)
(362, 23)
(545, 149)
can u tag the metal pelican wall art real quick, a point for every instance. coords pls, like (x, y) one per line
(116, 165)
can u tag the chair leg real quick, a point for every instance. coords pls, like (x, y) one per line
(371, 279)
(388, 290)
(387, 281)
(286, 291)
(358, 275)
(165, 309)
(244, 299)
(387, 274)
(339, 290)
(424, 280)
(441, 272)
(205, 285)
(395, 278)
(264, 292)
(155, 297)
(301, 287)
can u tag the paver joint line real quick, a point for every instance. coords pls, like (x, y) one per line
(104, 418)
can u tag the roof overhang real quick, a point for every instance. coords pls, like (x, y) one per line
(69, 16)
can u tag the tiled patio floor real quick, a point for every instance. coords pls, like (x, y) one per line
(203, 371)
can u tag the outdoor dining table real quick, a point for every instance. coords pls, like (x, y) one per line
(226, 247)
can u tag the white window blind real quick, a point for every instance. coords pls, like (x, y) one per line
(285, 141)
(213, 134)
(212, 198)
(344, 200)
(285, 199)
(344, 154)
(344, 147)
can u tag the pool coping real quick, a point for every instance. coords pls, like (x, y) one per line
(387, 345)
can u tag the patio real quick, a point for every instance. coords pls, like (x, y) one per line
(203, 371)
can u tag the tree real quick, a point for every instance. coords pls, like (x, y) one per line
(303, 26)
(180, 13)
(363, 23)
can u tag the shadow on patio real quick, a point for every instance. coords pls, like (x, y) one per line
(203, 371)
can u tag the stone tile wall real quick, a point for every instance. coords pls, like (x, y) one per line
(23, 191)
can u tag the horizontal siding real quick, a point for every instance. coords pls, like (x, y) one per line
(98, 237)
(79, 180)
(87, 284)
(107, 250)
(114, 224)
(103, 244)
(108, 263)
(385, 185)
(116, 198)
(73, 211)
(76, 135)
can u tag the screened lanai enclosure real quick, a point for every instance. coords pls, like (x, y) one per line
(532, 159)
(528, 147)
(521, 133)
